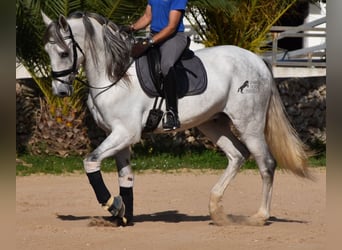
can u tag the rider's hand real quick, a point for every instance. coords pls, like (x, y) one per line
(140, 46)
(127, 29)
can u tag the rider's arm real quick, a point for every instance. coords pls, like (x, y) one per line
(144, 20)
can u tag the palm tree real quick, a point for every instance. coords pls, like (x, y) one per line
(60, 125)
(245, 23)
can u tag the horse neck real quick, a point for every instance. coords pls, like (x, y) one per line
(95, 62)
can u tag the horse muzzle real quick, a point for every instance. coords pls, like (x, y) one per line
(61, 89)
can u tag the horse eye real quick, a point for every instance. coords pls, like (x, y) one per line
(64, 54)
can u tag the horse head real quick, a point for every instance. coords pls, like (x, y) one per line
(107, 47)
(62, 48)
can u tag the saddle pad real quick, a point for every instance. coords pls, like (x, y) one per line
(191, 77)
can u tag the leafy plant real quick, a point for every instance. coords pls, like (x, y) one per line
(244, 23)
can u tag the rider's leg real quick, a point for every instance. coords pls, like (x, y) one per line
(170, 51)
(171, 120)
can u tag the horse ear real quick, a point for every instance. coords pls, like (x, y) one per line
(46, 19)
(63, 23)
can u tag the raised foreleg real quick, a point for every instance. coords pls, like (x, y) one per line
(119, 206)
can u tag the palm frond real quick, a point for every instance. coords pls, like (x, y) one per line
(244, 23)
(62, 7)
(214, 5)
(119, 11)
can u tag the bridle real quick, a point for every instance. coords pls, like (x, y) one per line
(74, 71)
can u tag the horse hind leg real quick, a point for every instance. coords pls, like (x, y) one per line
(218, 131)
(258, 147)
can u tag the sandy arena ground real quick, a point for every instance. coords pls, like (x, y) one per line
(171, 212)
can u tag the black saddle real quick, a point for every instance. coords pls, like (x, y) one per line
(191, 74)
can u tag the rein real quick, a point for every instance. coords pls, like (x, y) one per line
(110, 85)
(105, 88)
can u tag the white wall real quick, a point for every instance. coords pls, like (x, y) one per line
(315, 12)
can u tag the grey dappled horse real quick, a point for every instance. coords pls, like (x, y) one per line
(240, 91)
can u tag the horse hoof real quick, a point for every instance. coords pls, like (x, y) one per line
(124, 221)
(117, 207)
(256, 221)
(219, 217)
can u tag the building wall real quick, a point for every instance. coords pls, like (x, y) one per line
(316, 11)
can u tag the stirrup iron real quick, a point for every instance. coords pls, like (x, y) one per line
(170, 121)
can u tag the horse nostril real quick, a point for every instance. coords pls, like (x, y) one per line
(63, 94)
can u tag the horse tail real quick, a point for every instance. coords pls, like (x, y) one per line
(285, 145)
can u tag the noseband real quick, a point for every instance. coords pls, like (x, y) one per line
(73, 70)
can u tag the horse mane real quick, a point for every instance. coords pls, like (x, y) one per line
(53, 30)
(116, 44)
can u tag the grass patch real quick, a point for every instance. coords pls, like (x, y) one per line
(318, 161)
(206, 159)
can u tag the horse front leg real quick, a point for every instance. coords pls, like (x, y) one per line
(120, 206)
(126, 180)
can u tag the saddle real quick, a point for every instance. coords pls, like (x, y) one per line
(191, 74)
(191, 80)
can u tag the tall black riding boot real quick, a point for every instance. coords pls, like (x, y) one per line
(170, 119)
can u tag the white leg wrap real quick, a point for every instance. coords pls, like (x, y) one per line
(91, 166)
(126, 177)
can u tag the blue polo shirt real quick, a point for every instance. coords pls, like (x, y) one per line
(160, 13)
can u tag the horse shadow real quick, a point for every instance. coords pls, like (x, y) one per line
(274, 219)
(173, 216)
(170, 216)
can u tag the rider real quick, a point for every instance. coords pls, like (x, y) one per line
(167, 32)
